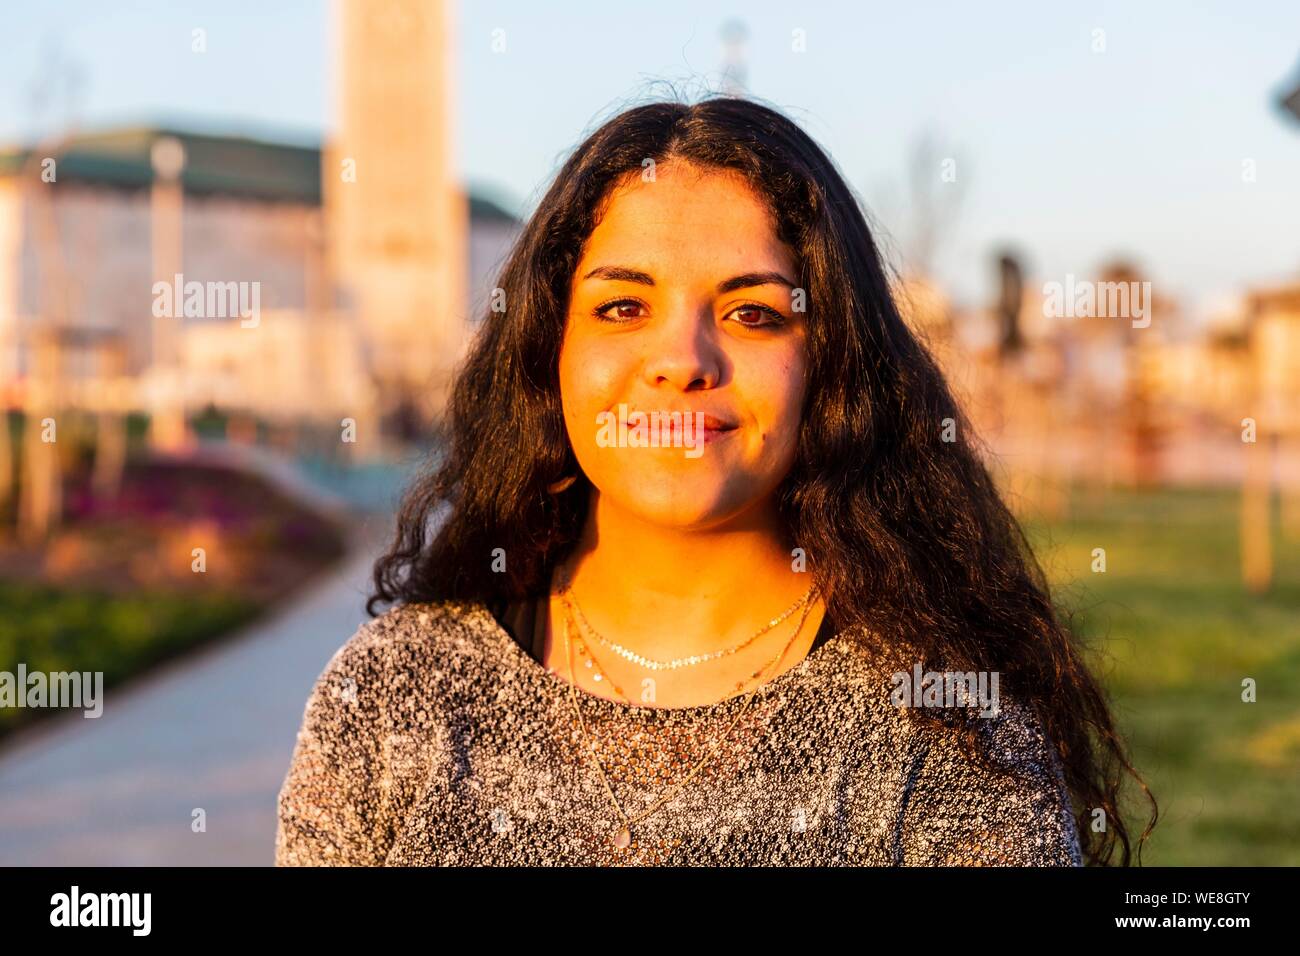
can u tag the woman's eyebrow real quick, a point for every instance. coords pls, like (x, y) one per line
(619, 274)
(751, 279)
(745, 281)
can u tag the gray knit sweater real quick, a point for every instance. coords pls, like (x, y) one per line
(433, 738)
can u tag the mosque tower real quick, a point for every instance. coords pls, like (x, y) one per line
(397, 216)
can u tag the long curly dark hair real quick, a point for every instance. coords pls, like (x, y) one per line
(905, 533)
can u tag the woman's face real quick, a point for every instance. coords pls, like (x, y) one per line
(668, 312)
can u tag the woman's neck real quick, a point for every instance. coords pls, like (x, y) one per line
(669, 592)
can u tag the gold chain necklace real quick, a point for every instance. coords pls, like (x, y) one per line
(623, 837)
(654, 665)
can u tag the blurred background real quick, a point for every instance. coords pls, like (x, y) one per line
(243, 246)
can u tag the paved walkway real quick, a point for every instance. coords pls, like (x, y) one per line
(214, 730)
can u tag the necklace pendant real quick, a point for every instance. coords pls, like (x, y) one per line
(623, 838)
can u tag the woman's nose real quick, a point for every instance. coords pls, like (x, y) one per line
(684, 352)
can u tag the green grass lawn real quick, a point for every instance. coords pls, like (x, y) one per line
(52, 630)
(1174, 634)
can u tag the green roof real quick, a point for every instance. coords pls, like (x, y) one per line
(224, 165)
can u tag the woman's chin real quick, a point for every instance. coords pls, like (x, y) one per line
(687, 505)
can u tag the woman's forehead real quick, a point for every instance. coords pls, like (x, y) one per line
(674, 193)
(716, 223)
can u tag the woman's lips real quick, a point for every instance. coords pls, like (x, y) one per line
(714, 429)
(710, 435)
(661, 428)
(707, 424)
(716, 424)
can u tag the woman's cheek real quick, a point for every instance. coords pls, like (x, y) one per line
(587, 396)
(599, 383)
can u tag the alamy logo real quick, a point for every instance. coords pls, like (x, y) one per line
(947, 689)
(57, 689)
(1107, 300)
(652, 430)
(102, 909)
(209, 300)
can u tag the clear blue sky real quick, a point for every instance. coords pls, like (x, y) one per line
(1068, 154)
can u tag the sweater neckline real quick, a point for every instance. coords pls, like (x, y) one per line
(560, 684)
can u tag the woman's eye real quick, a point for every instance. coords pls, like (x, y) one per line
(752, 315)
(620, 309)
(759, 313)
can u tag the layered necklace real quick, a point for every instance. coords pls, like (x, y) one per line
(622, 837)
(694, 659)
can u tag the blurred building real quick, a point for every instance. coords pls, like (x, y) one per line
(1106, 400)
(81, 250)
(364, 260)
(1273, 326)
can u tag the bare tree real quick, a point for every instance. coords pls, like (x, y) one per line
(936, 186)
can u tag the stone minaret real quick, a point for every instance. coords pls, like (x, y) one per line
(398, 219)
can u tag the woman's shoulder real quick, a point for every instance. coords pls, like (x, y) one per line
(1004, 800)
(891, 687)
(366, 733)
(1011, 805)
(407, 647)
(416, 631)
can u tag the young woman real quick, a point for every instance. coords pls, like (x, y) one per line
(693, 579)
